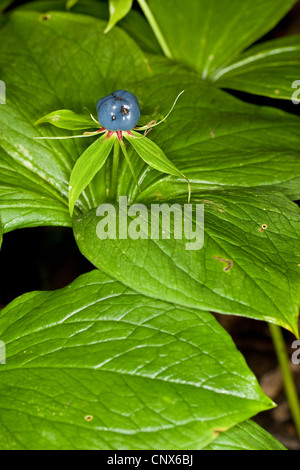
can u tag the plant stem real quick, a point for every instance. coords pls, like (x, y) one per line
(131, 167)
(108, 178)
(115, 169)
(288, 380)
(155, 28)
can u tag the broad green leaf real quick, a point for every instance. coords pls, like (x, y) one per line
(32, 209)
(86, 167)
(208, 34)
(66, 119)
(2, 20)
(149, 374)
(134, 23)
(217, 140)
(249, 264)
(268, 69)
(117, 10)
(245, 436)
(82, 65)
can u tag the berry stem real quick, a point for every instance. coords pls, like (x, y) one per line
(155, 28)
(120, 136)
(114, 172)
(131, 167)
(109, 134)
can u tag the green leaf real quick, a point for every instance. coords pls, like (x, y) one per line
(256, 232)
(150, 374)
(152, 154)
(216, 140)
(267, 69)
(208, 34)
(134, 23)
(68, 64)
(65, 119)
(117, 10)
(155, 157)
(245, 436)
(86, 167)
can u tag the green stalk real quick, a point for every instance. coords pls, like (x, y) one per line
(288, 380)
(108, 178)
(115, 170)
(155, 28)
(131, 167)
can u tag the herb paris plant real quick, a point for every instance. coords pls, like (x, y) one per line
(142, 354)
(117, 114)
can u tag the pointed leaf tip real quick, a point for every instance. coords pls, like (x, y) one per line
(118, 9)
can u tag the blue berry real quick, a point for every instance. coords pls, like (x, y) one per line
(119, 111)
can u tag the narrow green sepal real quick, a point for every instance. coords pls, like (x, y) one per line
(86, 167)
(66, 119)
(153, 155)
